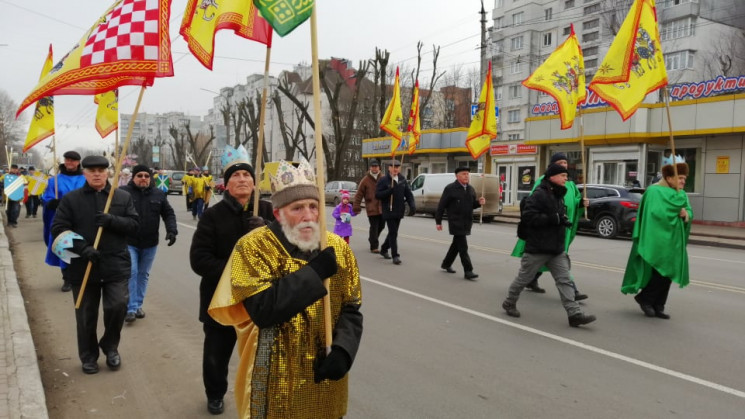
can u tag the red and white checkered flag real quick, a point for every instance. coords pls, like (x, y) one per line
(128, 45)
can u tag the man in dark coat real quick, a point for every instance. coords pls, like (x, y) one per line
(81, 211)
(543, 225)
(151, 205)
(458, 200)
(217, 232)
(394, 187)
(366, 190)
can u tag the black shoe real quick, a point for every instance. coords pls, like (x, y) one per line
(130, 317)
(90, 367)
(533, 286)
(511, 309)
(216, 406)
(471, 276)
(648, 310)
(396, 260)
(385, 254)
(447, 269)
(579, 296)
(580, 319)
(113, 360)
(660, 312)
(140, 313)
(66, 287)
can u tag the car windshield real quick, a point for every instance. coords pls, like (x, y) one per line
(349, 186)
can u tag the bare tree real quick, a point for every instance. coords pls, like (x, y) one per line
(143, 149)
(612, 14)
(726, 55)
(295, 139)
(179, 146)
(10, 128)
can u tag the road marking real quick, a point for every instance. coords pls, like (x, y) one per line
(595, 349)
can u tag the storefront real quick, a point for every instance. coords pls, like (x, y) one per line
(516, 166)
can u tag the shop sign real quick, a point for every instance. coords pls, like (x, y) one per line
(512, 149)
(552, 108)
(722, 164)
(707, 88)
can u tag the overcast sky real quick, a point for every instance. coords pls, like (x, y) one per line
(347, 29)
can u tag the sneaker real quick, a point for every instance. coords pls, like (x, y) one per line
(66, 287)
(580, 319)
(511, 309)
(140, 313)
(130, 317)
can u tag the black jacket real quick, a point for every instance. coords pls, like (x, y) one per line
(217, 233)
(401, 193)
(77, 211)
(459, 203)
(151, 205)
(542, 216)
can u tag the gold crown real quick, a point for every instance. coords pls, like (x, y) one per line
(288, 175)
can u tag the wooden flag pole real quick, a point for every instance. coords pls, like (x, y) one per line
(320, 167)
(584, 162)
(483, 190)
(55, 167)
(260, 146)
(117, 169)
(672, 139)
(9, 158)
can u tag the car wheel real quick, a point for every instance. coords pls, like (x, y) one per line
(337, 201)
(607, 227)
(407, 211)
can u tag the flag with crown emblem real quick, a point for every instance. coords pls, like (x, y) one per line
(393, 117)
(484, 123)
(42, 123)
(414, 129)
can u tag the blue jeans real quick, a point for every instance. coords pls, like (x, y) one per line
(142, 261)
(197, 208)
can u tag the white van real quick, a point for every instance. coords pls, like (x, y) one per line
(427, 189)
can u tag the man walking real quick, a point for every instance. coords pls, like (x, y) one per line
(459, 200)
(394, 194)
(14, 184)
(543, 225)
(81, 212)
(151, 205)
(366, 191)
(37, 183)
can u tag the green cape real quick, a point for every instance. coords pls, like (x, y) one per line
(659, 239)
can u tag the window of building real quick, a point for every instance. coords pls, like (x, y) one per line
(516, 67)
(516, 43)
(679, 60)
(592, 9)
(516, 91)
(497, 4)
(671, 3)
(591, 24)
(513, 137)
(499, 45)
(567, 30)
(589, 37)
(498, 23)
(499, 92)
(513, 116)
(517, 18)
(568, 4)
(547, 39)
(678, 28)
(549, 13)
(590, 51)
(541, 93)
(591, 63)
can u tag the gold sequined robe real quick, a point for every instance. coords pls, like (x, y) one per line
(275, 373)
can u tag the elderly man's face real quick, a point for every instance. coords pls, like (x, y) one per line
(394, 170)
(71, 165)
(96, 177)
(142, 179)
(299, 222)
(560, 179)
(240, 185)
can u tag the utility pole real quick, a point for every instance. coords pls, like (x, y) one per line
(483, 41)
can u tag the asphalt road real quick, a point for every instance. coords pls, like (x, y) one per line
(438, 346)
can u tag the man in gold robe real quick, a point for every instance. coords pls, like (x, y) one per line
(272, 292)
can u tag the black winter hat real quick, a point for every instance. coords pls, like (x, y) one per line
(554, 170)
(558, 156)
(140, 168)
(236, 167)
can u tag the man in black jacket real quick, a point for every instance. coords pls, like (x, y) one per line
(543, 224)
(81, 211)
(217, 232)
(394, 187)
(151, 205)
(459, 200)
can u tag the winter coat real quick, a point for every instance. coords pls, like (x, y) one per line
(366, 190)
(341, 228)
(217, 233)
(77, 212)
(151, 205)
(458, 202)
(401, 194)
(542, 215)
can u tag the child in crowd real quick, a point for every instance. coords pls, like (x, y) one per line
(343, 214)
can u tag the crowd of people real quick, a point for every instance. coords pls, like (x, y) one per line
(267, 272)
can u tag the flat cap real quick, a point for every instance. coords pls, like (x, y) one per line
(462, 169)
(395, 163)
(374, 162)
(95, 161)
(72, 155)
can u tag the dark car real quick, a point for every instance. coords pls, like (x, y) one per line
(333, 191)
(612, 209)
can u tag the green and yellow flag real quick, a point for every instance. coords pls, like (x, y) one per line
(393, 117)
(484, 124)
(42, 124)
(562, 76)
(284, 15)
(107, 116)
(634, 65)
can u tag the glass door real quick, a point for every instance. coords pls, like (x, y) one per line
(504, 171)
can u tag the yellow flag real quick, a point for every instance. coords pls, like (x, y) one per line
(634, 65)
(42, 124)
(393, 117)
(107, 117)
(414, 128)
(562, 76)
(37, 182)
(484, 124)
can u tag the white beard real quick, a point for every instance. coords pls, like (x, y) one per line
(294, 236)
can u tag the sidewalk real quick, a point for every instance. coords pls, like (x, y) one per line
(21, 390)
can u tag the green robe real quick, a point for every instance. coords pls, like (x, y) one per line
(571, 200)
(659, 239)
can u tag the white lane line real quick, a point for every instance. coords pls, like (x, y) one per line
(614, 355)
(186, 225)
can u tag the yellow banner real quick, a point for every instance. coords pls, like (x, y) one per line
(42, 124)
(107, 116)
(484, 124)
(393, 117)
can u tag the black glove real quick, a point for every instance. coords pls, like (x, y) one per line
(324, 263)
(332, 367)
(52, 204)
(255, 222)
(171, 238)
(566, 222)
(91, 254)
(104, 219)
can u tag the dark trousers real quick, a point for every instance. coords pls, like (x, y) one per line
(376, 227)
(459, 246)
(13, 211)
(197, 207)
(115, 296)
(391, 240)
(219, 342)
(656, 291)
(188, 202)
(32, 205)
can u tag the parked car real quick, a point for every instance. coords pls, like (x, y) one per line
(333, 191)
(176, 185)
(612, 209)
(427, 189)
(219, 186)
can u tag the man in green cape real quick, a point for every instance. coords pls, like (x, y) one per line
(658, 254)
(572, 201)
